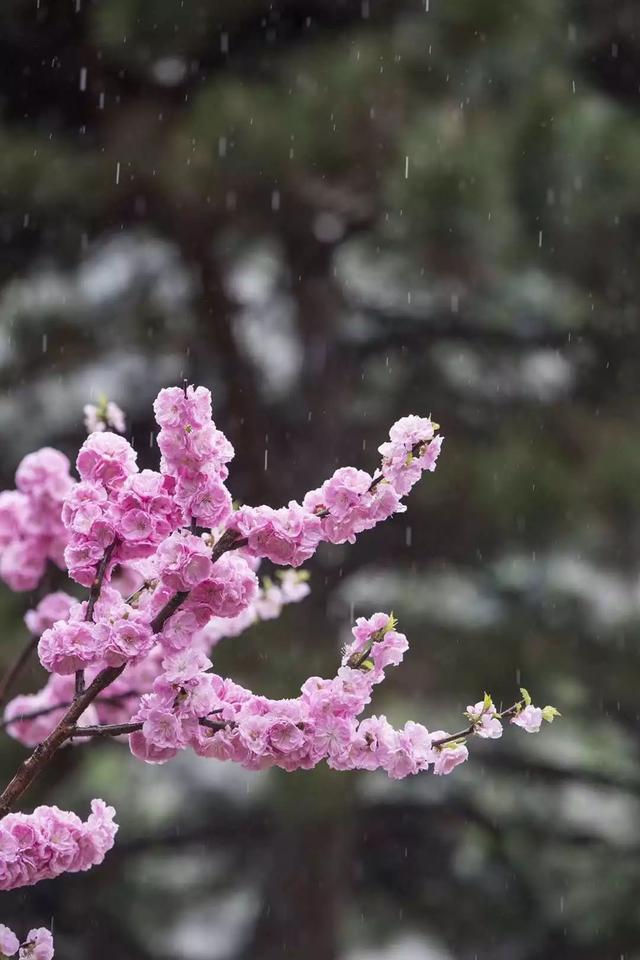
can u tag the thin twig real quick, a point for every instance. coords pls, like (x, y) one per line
(471, 729)
(215, 724)
(7, 682)
(106, 730)
(44, 711)
(15, 669)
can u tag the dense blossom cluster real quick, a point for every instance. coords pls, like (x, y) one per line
(37, 945)
(49, 842)
(31, 527)
(173, 569)
(195, 454)
(346, 504)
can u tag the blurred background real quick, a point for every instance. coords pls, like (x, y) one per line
(333, 214)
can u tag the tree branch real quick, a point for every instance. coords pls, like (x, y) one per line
(44, 711)
(30, 769)
(471, 729)
(106, 730)
(94, 594)
(41, 756)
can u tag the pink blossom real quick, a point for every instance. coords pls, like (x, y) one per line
(50, 841)
(44, 473)
(373, 744)
(529, 718)
(55, 606)
(14, 507)
(127, 640)
(411, 449)
(449, 755)
(287, 536)
(9, 943)
(31, 529)
(68, 646)
(230, 587)
(179, 630)
(106, 458)
(38, 945)
(487, 723)
(183, 561)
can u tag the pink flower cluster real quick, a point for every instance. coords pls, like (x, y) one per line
(118, 634)
(31, 529)
(183, 629)
(348, 503)
(159, 603)
(269, 600)
(195, 454)
(191, 707)
(115, 507)
(49, 841)
(411, 449)
(52, 607)
(38, 944)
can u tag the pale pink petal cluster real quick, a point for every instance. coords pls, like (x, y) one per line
(37, 945)
(114, 506)
(411, 449)
(485, 719)
(31, 528)
(119, 633)
(49, 842)
(529, 718)
(268, 603)
(195, 453)
(348, 503)
(322, 724)
(287, 536)
(52, 607)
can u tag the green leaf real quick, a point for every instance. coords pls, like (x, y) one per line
(487, 702)
(548, 713)
(392, 623)
(526, 696)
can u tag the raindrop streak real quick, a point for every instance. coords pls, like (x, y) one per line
(117, 174)
(83, 78)
(44, 342)
(539, 238)
(406, 168)
(408, 536)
